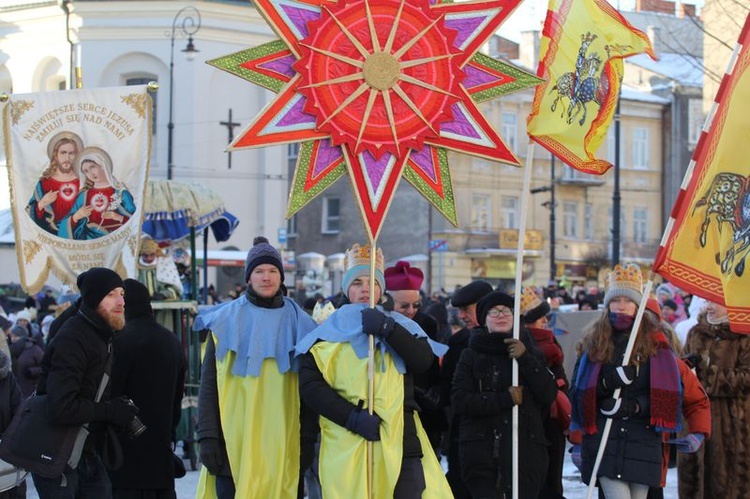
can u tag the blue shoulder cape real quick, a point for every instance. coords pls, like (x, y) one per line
(345, 325)
(254, 333)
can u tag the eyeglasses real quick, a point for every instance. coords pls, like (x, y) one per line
(406, 305)
(500, 312)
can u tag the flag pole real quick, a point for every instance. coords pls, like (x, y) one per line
(616, 394)
(371, 370)
(517, 300)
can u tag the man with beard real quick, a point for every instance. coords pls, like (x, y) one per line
(58, 185)
(73, 367)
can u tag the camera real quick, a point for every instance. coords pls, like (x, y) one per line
(135, 426)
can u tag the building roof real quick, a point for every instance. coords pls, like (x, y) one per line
(687, 70)
(632, 93)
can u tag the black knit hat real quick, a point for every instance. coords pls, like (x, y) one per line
(471, 293)
(492, 300)
(137, 299)
(20, 331)
(262, 252)
(96, 283)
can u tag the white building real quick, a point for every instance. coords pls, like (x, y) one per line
(128, 42)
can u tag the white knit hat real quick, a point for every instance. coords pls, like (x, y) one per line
(624, 281)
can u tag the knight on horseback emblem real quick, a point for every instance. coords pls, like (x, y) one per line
(587, 83)
(728, 201)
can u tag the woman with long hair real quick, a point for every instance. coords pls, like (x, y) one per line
(649, 403)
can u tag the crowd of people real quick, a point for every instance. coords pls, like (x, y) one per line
(364, 393)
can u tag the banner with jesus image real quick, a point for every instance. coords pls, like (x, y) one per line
(78, 163)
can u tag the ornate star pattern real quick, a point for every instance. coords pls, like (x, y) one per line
(380, 89)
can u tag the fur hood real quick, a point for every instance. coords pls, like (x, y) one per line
(4, 365)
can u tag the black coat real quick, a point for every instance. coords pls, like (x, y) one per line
(72, 370)
(149, 369)
(480, 395)
(27, 364)
(634, 450)
(10, 393)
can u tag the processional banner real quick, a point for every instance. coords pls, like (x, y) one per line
(582, 47)
(77, 163)
(707, 240)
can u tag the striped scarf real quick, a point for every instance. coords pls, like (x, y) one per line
(665, 393)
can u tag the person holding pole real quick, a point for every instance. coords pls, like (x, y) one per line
(642, 394)
(334, 381)
(484, 396)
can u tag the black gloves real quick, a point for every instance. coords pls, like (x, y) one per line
(376, 323)
(120, 411)
(613, 377)
(364, 424)
(212, 455)
(622, 408)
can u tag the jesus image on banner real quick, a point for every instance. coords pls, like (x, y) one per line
(57, 187)
(103, 204)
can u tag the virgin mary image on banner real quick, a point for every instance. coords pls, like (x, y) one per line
(103, 203)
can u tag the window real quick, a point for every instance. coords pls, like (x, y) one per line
(292, 152)
(479, 164)
(640, 225)
(611, 144)
(331, 215)
(588, 221)
(695, 120)
(510, 130)
(510, 212)
(640, 148)
(145, 81)
(291, 226)
(570, 219)
(481, 210)
(569, 173)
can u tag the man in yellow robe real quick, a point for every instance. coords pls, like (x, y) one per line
(249, 412)
(334, 382)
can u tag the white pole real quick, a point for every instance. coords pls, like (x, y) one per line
(517, 299)
(616, 395)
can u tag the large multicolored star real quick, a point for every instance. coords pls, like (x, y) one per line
(381, 89)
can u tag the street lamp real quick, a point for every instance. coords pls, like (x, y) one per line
(551, 204)
(188, 19)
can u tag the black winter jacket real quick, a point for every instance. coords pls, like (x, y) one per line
(149, 369)
(480, 396)
(634, 450)
(72, 369)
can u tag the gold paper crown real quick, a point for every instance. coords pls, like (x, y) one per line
(150, 247)
(360, 255)
(529, 300)
(628, 276)
(321, 312)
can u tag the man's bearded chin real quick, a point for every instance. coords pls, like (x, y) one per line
(115, 321)
(65, 167)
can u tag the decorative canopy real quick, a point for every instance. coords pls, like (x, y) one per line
(171, 208)
(381, 89)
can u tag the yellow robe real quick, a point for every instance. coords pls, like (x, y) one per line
(343, 454)
(263, 444)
